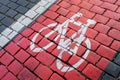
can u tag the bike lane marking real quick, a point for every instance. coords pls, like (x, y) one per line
(93, 65)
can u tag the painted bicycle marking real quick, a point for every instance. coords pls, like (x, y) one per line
(64, 45)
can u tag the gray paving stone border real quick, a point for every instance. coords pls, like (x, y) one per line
(9, 33)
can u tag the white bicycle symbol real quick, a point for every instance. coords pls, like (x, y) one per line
(64, 44)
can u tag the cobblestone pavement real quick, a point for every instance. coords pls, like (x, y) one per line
(71, 40)
(11, 10)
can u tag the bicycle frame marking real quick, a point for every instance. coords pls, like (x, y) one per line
(64, 44)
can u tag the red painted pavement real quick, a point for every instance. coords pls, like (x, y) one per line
(18, 61)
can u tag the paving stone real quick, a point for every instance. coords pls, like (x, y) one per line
(40, 10)
(24, 43)
(51, 14)
(92, 72)
(13, 5)
(45, 58)
(15, 9)
(97, 9)
(11, 13)
(17, 16)
(101, 19)
(26, 21)
(107, 77)
(9, 76)
(12, 35)
(112, 15)
(106, 52)
(102, 64)
(3, 41)
(27, 32)
(15, 67)
(104, 39)
(31, 63)
(7, 21)
(111, 1)
(117, 59)
(1, 16)
(96, 2)
(6, 32)
(25, 74)
(113, 69)
(31, 14)
(21, 18)
(74, 75)
(56, 77)
(116, 45)
(6, 59)
(22, 2)
(17, 26)
(46, 72)
(114, 24)
(3, 70)
(114, 34)
(3, 9)
(30, 5)
(109, 6)
(12, 48)
(22, 9)
(32, 0)
(22, 56)
(118, 2)
(48, 5)
(5, 2)
(14, 0)
(85, 5)
(43, 3)
(2, 27)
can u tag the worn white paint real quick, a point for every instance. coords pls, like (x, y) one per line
(64, 44)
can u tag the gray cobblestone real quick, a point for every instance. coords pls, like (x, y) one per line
(2, 27)
(14, 0)
(107, 77)
(7, 21)
(33, 0)
(1, 16)
(13, 5)
(11, 13)
(113, 69)
(21, 18)
(15, 12)
(117, 59)
(30, 5)
(3, 9)
(22, 9)
(17, 16)
(22, 2)
(5, 2)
